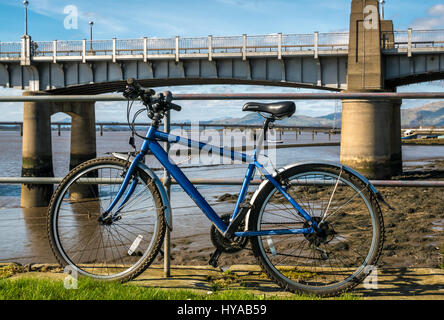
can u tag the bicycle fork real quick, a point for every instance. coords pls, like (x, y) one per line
(106, 216)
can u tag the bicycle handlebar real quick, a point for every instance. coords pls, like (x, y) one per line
(133, 91)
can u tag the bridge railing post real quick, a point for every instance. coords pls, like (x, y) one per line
(25, 54)
(177, 48)
(316, 45)
(84, 51)
(145, 49)
(54, 51)
(244, 47)
(210, 48)
(280, 46)
(114, 50)
(409, 50)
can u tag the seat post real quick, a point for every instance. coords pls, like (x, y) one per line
(262, 136)
(266, 126)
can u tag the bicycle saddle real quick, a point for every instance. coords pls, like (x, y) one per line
(278, 109)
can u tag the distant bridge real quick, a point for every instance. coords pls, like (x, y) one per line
(317, 60)
(183, 125)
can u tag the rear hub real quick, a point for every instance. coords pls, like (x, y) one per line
(324, 235)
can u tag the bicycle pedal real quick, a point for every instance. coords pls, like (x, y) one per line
(214, 258)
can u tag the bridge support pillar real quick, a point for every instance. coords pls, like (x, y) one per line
(37, 146)
(36, 152)
(83, 144)
(83, 139)
(83, 133)
(371, 129)
(371, 137)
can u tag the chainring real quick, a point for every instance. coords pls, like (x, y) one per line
(232, 245)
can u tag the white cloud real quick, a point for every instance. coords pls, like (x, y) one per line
(437, 10)
(434, 20)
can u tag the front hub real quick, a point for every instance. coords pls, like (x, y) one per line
(109, 220)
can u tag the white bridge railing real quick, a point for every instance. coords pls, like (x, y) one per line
(279, 43)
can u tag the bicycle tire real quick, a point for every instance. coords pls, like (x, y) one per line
(130, 243)
(312, 265)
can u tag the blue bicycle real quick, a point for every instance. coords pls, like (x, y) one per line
(314, 228)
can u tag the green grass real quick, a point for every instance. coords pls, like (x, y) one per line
(45, 289)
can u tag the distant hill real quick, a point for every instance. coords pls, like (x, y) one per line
(428, 115)
(256, 119)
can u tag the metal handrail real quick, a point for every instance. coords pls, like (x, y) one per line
(185, 125)
(237, 96)
(217, 182)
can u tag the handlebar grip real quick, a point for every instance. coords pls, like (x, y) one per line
(175, 107)
(131, 82)
(149, 91)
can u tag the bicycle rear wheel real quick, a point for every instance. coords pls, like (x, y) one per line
(120, 250)
(336, 259)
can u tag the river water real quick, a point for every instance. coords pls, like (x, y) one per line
(23, 236)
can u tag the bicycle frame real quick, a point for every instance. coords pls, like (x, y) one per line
(151, 143)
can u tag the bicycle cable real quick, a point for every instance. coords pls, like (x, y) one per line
(131, 124)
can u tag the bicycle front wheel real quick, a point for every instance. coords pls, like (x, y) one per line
(117, 250)
(328, 262)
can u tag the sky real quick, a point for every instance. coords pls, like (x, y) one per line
(168, 18)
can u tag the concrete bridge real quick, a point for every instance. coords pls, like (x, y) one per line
(371, 57)
(316, 60)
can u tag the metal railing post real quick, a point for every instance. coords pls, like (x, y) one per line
(177, 49)
(280, 46)
(210, 48)
(316, 45)
(409, 50)
(167, 183)
(114, 50)
(25, 52)
(54, 51)
(84, 51)
(145, 49)
(244, 47)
